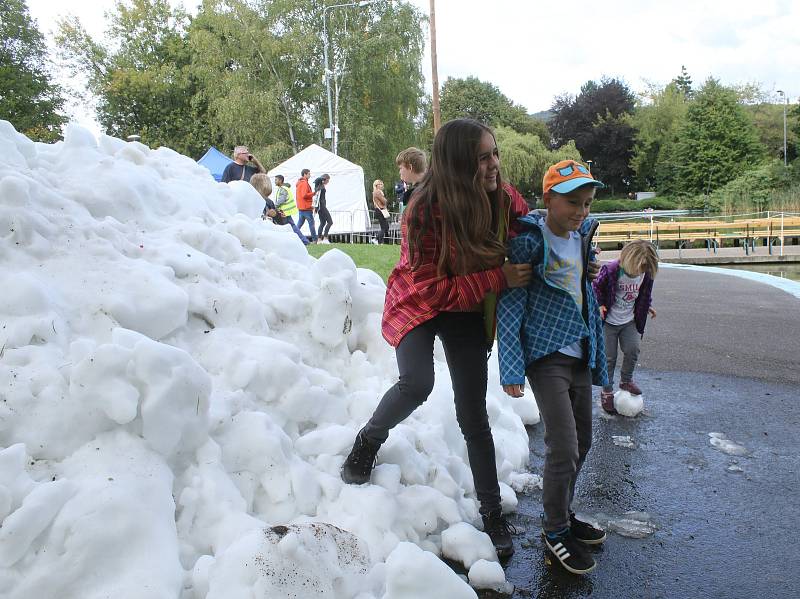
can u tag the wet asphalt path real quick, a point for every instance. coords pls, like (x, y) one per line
(722, 357)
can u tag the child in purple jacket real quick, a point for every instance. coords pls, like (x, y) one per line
(624, 292)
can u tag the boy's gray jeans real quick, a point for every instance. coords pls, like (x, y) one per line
(626, 337)
(563, 389)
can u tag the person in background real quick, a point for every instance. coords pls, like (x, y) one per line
(305, 199)
(284, 201)
(264, 186)
(320, 203)
(552, 332)
(460, 205)
(624, 292)
(399, 192)
(239, 170)
(381, 209)
(412, 165)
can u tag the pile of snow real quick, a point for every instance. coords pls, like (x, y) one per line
(180, 383)
(627, 404)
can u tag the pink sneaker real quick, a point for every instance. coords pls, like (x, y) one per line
(631, 388)
(607, 401)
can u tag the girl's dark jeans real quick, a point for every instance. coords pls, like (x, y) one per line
(463, 338)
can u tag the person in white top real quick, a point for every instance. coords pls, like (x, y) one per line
(624, 293)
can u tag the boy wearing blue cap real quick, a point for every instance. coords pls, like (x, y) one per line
(552, 332)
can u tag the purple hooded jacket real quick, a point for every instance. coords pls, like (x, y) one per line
(605, 288)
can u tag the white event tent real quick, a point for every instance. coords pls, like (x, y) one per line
(346, 195)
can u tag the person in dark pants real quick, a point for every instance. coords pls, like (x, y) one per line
(381, 210)
(552, 332)
(434, 293)
(321, 207)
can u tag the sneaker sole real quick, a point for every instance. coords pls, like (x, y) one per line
(552, 550)
(590, 541)
(584, 541)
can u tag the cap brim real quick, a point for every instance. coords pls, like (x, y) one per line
(572, 184)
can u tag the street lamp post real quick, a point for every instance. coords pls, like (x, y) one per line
(785, 100)
(325, 42)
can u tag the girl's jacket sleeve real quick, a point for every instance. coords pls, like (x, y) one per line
(511, 316)
(600, 283)
(455, 293)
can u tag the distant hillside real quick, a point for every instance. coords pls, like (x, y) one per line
(544, 115)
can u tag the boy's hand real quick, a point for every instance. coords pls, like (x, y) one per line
(517, 275)
(603, 312)
(652, 312)
(514, 390)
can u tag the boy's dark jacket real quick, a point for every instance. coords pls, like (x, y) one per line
(605, 288)
(540, 319)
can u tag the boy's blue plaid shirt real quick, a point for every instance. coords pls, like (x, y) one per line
(540, 319)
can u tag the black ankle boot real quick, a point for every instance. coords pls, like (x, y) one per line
(358, 466)
(499, 530)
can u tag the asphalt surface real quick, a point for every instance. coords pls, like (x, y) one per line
(721, 357)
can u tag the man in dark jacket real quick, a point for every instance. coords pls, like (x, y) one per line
(239, 170)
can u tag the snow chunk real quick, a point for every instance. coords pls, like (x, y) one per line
(489, 575)
(412, 573)
(720, 442)
(464, 543)
(292, 562)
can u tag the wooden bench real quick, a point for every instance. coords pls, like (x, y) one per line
(712, 232)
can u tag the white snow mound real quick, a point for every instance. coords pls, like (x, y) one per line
(180, 383)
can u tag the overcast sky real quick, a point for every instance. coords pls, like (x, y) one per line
(534, 51)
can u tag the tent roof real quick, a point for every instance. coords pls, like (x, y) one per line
(319, 160)
(215, 161)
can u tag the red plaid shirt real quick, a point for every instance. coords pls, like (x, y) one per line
(416, 296)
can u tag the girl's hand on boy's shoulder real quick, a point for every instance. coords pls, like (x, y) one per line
(517, 275)
(514, 390)
(651, 312)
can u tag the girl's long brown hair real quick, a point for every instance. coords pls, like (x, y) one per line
(469, 217)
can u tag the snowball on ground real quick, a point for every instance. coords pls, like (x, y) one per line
(180, 374)
(627, 404)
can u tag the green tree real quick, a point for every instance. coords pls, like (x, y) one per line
(597, 120)
(484, 102)
(143, 79)
(717, 143)
(658, 124)
(524, 158)
(767, 118)
(28, 97)
(683, 83)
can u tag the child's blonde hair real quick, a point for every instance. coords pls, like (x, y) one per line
(639, 256)
(375, 184)
(262, 184)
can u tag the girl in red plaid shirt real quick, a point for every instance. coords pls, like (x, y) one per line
(452, 257)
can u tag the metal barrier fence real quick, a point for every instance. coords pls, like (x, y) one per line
(361, 226)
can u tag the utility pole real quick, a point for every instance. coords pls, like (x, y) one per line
(437, 116)
(785, 101)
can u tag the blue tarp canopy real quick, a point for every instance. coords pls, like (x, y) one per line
(215, 161)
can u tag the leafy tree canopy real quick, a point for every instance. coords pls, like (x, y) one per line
(28, 97)
(484, 102)
(524, 158)
(598, 121)
(717, 143)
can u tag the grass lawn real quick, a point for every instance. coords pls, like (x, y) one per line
(380, 258)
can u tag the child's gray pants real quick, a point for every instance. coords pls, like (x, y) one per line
(563, 389)
(626, 337)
